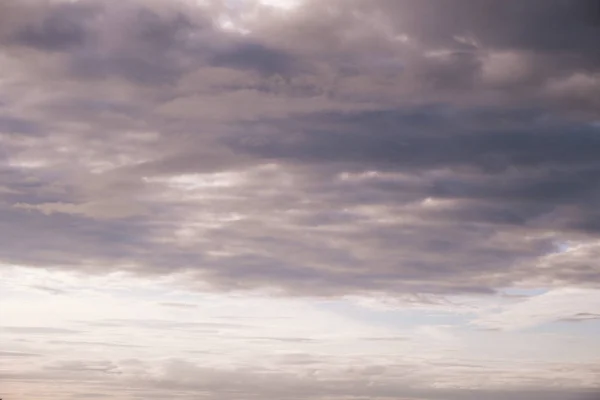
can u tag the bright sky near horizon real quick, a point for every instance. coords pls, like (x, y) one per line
(299, 199)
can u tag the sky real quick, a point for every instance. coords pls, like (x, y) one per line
(300, 199)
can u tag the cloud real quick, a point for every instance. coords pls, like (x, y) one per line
(179, 305)
(580, 317)
(38, 330)
(50, 290)
(565, 304)
(16, 125)
(283, 339)
(386, 339)
(342, 148)
(92, 344)
(368, 381)
(77, 366)
(163, 324)
(187, 378)
(255, 56)
(61, 29)
(16, 354)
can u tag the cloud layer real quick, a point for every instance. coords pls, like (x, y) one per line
(107, 337)
(337, 148)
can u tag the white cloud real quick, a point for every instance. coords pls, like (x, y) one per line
(554, 305)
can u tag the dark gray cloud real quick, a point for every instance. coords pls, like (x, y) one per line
(63, 28)
(525, 50)
(553, 25)
(430, 139)
(399, 146)
(146, 43)
(257, 57)
(16, 125)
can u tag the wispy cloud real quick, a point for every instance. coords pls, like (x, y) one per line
(179, 305)
(41, 330)
(16, 354)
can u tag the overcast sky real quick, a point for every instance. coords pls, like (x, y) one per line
(300, 199)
